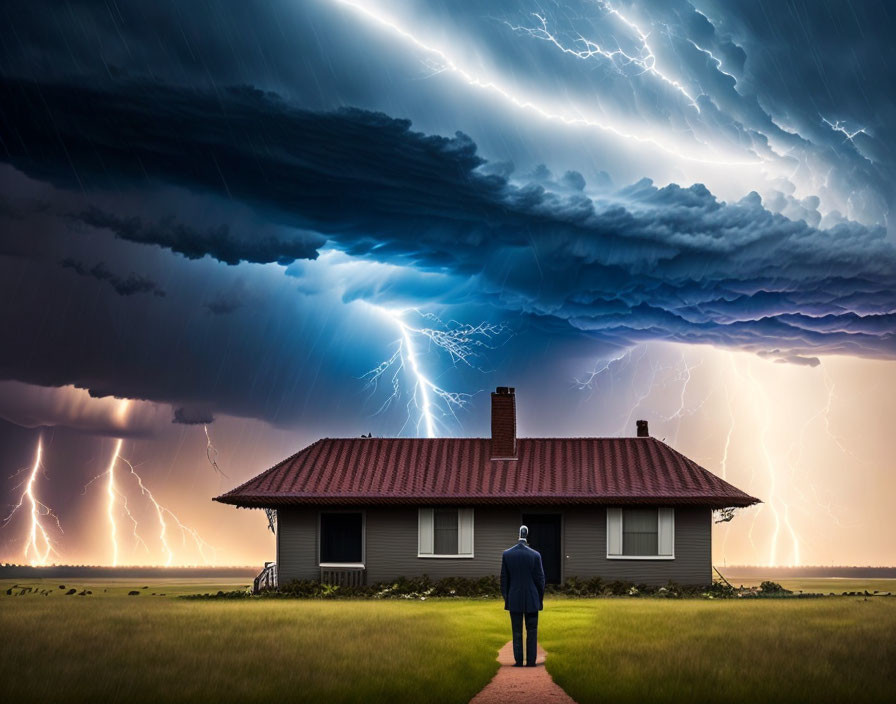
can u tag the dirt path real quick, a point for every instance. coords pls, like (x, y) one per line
(521, 685)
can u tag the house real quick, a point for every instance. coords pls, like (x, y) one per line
(367, 510)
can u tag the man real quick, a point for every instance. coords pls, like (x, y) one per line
(522, 586)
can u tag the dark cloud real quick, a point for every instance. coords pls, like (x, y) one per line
(193, 415)
(671, 263)
(223, 304)
(124, 286)
(790, 358)
(218, 242)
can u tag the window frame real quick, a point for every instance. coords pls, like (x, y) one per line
(363, 563)
(658, 533)
(458, 556)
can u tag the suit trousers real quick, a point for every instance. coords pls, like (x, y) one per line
(516, 627)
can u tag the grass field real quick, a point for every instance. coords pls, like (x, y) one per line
(826, 585)
(112, 647)
(638, 650)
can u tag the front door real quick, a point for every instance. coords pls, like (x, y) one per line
(544, 536)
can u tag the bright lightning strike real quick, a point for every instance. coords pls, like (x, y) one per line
(160, 510)
(448, 64)
(38, 546)
(765, 413)
(645, 60)
(115, 494)
(111, 492)
(839, 126)
(460, 341)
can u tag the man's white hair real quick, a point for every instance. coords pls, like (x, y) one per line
(524, 533)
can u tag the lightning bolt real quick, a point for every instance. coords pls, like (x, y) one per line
(684, 376)
(765, 412)
(160, 512)
(600, 368)
(111, 493)
(114, 495)
(449, 64)
(839, 126)
(642, 396)
(460, 341)
(646, 60)
(38, 546)
(211, 452)
(726, 449)
(714, 58)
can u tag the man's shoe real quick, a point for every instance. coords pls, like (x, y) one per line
(517, 664)
(530, 664)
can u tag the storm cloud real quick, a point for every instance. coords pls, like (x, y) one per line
(123, 285)
(640, 263)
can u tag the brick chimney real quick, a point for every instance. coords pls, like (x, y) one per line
(504, 423)
(642, 429)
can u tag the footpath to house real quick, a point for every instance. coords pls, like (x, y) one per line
(521, 685)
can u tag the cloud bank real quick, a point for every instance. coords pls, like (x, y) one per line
(640, 263)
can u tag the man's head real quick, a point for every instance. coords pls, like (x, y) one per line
(524, 533)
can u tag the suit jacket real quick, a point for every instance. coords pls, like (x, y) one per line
(522, 579)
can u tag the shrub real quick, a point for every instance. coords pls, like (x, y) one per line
(490, 588)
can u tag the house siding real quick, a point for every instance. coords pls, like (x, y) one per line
(297, 545)
(391, 545)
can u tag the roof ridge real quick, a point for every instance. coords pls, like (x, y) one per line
(534, 437)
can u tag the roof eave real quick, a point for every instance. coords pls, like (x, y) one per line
(281, 500)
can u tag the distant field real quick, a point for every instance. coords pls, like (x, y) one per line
(825, 585)
(111, 647)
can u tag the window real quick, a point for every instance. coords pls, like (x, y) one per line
(641, 533)
(342, 538)
(445, 532)
(640, 529)
(444, 526)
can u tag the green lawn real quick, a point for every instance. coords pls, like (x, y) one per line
(110, 647)
(771, 650)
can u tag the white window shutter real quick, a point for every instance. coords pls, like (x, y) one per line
(614, 531)
(666, 536)
(425, 532)
(465, 531)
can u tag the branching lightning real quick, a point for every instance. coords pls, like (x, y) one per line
(602, 367)
(114, 495)
(116, 501)
(448, 64)
(839, 126)
(38, 545)
(738, 385)
(461, 341)
(645, 60)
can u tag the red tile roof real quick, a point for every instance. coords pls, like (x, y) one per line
(459, 470)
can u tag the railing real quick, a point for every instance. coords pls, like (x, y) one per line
(343, 576)
(266, 579)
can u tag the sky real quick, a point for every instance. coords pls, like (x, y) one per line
(230, 228)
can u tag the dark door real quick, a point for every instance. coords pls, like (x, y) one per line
(544, 536)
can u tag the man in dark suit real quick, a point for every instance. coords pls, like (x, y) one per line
(522, 585)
